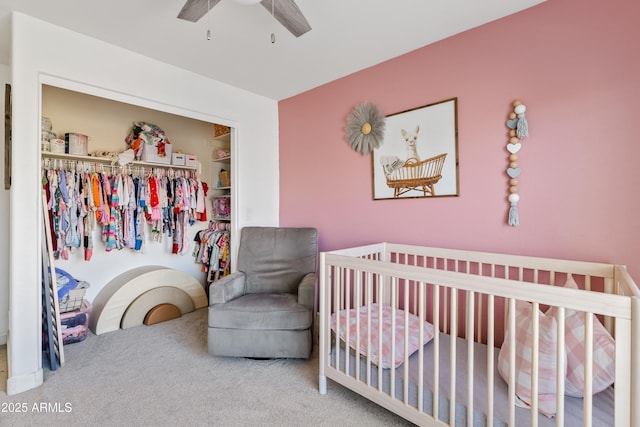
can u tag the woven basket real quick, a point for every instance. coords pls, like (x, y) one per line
(225, 178)
(220, 130)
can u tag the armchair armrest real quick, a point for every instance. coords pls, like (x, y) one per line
(307, 291)
(226, 289)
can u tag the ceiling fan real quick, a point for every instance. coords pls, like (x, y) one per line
(286, 12)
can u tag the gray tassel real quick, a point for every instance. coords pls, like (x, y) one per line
(522, 128)
(513, 215)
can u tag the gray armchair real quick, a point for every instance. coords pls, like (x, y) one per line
(266, 308)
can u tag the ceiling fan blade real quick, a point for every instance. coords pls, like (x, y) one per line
(288, 14)
(193, 10)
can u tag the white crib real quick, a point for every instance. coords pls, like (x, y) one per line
(470, 299)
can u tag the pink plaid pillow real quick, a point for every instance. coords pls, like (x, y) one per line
(604, 348)
(547, 367)
(414, 333)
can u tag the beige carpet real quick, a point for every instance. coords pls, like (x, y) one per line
(162, 375)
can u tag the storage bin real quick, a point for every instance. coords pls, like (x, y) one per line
(57, 146)
(190, 160)
(75, 324)
(72, 300)
(177, 159)
(77, 144)
(150, 154)
(222, 207)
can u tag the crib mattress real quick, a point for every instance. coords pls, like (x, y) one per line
(603, 402)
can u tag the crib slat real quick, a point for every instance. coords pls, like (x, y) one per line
(325, 334)
(436, 351)
(560, 368)
(470, 319)
(447, 323)
(422, 315)
(512, 361)
(392, 381)
(346, 299)
(356, 303)
(405, 362)
(479, 319)
(490, 357)
(336, 304)
(535, 347)
(452, 356)
(588, 367)
(381, 289)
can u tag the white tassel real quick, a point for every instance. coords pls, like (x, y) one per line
(514, 220)
(522, 128)
(513, 215)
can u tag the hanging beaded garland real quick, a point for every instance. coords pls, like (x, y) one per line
(518, 130)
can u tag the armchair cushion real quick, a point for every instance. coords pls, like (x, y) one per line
(276, 259)
(261, 311)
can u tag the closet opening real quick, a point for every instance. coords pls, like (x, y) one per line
(120, 213)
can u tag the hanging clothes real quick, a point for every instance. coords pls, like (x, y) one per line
(212, 250)
(120, 205)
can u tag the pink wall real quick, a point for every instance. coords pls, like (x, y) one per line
(574, 63)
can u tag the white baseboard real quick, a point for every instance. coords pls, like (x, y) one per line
(26, 382)
(3, 338)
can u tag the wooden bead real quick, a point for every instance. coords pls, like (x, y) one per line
(513, 189)
(513, 182)
(513, 140)
(512, 132)
(513, 157)
(517, 102)
(513, 164)
(512, 116)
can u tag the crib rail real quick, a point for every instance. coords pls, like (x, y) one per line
(462, 293)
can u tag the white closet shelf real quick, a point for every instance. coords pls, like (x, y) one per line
(93, 159)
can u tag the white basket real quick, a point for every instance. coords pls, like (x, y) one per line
(73, 300)
(78, 144)
(57, 146)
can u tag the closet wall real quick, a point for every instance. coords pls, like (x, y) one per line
(107, 123)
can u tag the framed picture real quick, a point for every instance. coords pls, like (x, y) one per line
(419, 153)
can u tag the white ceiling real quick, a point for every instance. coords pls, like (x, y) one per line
(346, 36)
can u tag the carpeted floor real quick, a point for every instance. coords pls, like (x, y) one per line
(162, 375)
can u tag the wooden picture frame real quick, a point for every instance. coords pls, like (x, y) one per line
(7, 136)
(419, 154)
